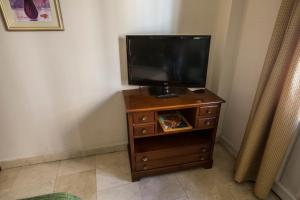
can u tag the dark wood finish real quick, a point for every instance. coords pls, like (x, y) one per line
(139, 174)
(173, 141)
(143, 117)
(145, 129)
(209, 110)
(207, 123)
(169, 161)
(172, 152)
(151, 150)
(138, 100)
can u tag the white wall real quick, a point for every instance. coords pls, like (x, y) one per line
(257, 25)
(230, 21)
(59, 90)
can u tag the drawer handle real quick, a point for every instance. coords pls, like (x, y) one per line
(208, 111)
(145, 167)
(144, 159)
(202, 158)
(204, 150)
(207, 122)
(144, 118)
(144, 131)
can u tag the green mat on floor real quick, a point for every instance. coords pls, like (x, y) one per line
(54, 196)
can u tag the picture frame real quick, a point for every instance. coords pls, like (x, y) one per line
(32, 15)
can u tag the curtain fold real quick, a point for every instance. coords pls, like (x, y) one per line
(275, 112)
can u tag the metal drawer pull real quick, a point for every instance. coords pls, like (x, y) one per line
(208, 122)
(145, 167)
(202, 158)
(144, 131)
(204, 150)
(208, 112)
(144, 159)
(144, 118)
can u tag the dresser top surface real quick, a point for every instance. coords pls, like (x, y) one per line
(140, 100)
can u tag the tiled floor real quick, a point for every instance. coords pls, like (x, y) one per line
(107, 177)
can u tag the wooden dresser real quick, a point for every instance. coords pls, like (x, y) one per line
(153, 151)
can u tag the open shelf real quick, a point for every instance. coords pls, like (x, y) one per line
(188, 113)
(171, 141)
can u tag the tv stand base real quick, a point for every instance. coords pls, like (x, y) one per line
(166, 91)
(169, 95)
(153, 151)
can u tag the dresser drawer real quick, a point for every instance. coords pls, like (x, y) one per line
(143, 117)
(173, 152)
(176, 160)
(141, 130)
(207, 123)
(209, 111)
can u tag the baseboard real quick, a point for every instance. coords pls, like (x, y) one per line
(282, 192)
(228, 146)
(6, 164)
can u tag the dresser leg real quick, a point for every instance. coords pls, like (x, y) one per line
(135, 178)
(208, 165)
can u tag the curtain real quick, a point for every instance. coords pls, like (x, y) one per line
(275, 113)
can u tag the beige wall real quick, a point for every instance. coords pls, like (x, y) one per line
(230, 21)
(255, 32)
(59, 90)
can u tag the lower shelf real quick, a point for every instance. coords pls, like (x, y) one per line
(169, 161)
(139, 174)
(171, 141)
(172, 151)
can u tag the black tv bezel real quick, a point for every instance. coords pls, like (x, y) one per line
(165, 83)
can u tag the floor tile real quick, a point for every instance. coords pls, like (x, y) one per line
(8, 177)
(81, 184)
(197, 184)
(113, 170)
(214, 183)
(35, 175)
(77, 165)
(113, 160)
(6, 195)
(125, 192)
(32, 190)
(108, 178)
(223, 160)
(165, 187)
(242, 191)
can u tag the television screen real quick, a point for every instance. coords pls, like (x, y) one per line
(167, 60)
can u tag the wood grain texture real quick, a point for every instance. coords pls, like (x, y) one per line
(140, 100)
(153, 151)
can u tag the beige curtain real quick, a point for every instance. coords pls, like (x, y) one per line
(275, 112)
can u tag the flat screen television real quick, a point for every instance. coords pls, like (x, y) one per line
(169, 61)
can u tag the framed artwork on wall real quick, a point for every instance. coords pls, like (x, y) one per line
(32, 15)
